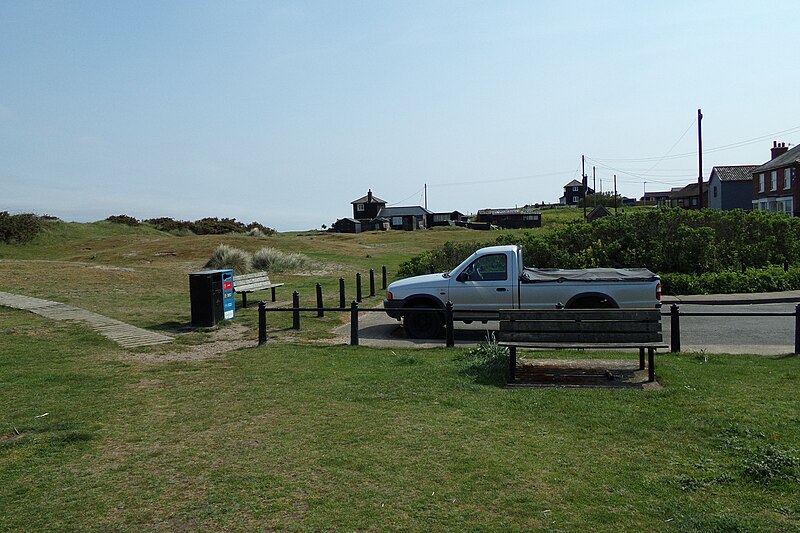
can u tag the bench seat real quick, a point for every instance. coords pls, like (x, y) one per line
(256, 281)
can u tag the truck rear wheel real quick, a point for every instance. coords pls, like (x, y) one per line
(423, 324)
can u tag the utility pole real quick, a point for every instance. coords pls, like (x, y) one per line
(585, 183)
(594, 184)
(699, 159)
(615, 194)
(426, 195)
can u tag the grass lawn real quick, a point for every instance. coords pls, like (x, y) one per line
(295, 436)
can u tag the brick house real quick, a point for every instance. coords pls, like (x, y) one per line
(731, 187)
(774, 182)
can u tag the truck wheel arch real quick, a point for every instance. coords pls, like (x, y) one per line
(592, 300)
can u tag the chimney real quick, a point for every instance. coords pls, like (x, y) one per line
(369, 196)
(778, 149)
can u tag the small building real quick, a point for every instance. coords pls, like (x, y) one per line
(598, 212)
(574, 193)
(406, 218)
(731, 187)
(367, 207)
(775, 182)
(686, 197)
(376, 224)
(347, 225)
(446, 219)
(658, 199)
(523, 217)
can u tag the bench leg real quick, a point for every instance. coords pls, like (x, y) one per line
(651, 371)
(641, 358)
(244, 300)
(273, 293)
(512, 363)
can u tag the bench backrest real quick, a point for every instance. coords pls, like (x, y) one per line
(581, 325)
(254, 280)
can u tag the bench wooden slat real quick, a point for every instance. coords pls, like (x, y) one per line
(585, 345)
(567, 326)
(588, 338)
(615, 315)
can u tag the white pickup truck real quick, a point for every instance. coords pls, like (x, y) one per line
(493, 278)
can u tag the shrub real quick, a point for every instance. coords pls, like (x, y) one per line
(769, 279)
(273, 260)
(229, 257)
(19, 229)
(488, 361)
(123, 219)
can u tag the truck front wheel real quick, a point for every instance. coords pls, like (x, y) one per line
(423, 324)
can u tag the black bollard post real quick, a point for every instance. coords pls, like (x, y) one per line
(383, 278)
(342, 303)
(675, 329)
(262, 323)
(371, 282)
(358, 287)
(448, 324)
(354, 324)
(320, 312)
(296, 312)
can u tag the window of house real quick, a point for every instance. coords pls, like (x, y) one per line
(694, 200)
(576, 199)
(715, 191)
(787, 178)
(576, 189)
(788, 206)
(397, 221)
(761, 182)
(359, 207)
(773, 180)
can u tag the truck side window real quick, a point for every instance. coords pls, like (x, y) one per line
(488, 268)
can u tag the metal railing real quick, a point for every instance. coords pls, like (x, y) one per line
(674, 313)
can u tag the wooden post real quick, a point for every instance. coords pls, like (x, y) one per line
(262, 323)
(320, 312)
(358, 287)
(342, 303)
(448, 324)
(675, 328)
(371, 282)
(354, 323)
(512, 364)
(797, 329)
(273, 293)
(641, 358)
(383, 278)
(244, 300)
(296, 312)
(651, 363)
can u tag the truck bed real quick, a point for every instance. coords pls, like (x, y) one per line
(541, 275)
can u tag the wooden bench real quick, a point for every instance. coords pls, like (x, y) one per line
(584, 329)
(257, 281)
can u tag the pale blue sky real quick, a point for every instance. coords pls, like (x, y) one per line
(284, 112)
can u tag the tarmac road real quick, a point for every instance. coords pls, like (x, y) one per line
(734, 335)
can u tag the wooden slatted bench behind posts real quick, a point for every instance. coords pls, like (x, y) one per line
(582, 328)
(257, 281)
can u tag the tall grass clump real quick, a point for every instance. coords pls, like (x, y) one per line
(273, 260)
(229, 257)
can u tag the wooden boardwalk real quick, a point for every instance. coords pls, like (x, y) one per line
(123, 334)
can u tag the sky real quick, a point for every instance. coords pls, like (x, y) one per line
(283, 112)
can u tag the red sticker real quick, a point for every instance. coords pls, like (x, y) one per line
(228, 285)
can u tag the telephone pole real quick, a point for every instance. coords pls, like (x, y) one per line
(699, 159)
(585, 183)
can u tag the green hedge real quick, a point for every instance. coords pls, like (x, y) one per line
(768, 279)
(19, 229)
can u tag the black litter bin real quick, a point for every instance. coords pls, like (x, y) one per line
(211, 294)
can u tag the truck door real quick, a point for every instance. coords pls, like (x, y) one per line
(485, 284)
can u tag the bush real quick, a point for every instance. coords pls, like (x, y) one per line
(272, 260)
(123, 219)
(209, 226)
(769, 279)
(229, 257)
(488, 361)
(19, 229)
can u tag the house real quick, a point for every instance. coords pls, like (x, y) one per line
(406, 218)
(367, 207)
(525, 217)
(375, 224)
(347, 225)
(446, 219)
(573, 193)
(775, 182)
(686, 197)
(731, 187)
(660, 198)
